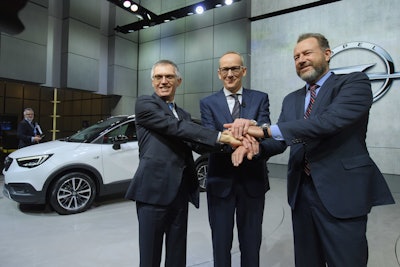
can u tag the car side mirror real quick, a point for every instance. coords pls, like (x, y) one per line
(118, 140)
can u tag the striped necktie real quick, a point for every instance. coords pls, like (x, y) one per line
(236, 107)
(313, 95)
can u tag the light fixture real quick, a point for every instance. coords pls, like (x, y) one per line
(127, 4)
(199, 10)
(148, 18)
(134, 7)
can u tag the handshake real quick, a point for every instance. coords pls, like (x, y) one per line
(241, 135)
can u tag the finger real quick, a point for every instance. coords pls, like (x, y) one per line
(228, 125)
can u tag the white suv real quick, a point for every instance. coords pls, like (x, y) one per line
(70, 173)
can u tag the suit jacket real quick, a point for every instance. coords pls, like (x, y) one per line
(333, 139)
(165, 152)
(221, 173)
(25, 132)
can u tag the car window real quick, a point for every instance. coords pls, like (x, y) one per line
(88, 134)
(127, 130)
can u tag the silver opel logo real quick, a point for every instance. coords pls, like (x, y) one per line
(380, 69)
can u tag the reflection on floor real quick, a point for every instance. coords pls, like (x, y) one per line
(106, 235)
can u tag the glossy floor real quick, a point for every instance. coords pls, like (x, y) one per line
(106, 235)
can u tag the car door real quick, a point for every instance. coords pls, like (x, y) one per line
(121, 161)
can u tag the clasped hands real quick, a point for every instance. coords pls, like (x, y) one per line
(241, 135)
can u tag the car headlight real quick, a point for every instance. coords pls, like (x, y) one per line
(33, 161)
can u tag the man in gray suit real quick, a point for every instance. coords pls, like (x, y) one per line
(332, 181)
(165, 180)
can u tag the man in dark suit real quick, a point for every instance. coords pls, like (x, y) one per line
(165, 180)
(234, 190)
(332, 181)
(28, 131)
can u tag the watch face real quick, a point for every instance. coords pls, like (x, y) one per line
(265, 125)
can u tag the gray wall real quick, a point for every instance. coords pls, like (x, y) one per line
(195, 43)
(364, 21)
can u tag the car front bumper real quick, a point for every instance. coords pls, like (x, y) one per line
(24, 193)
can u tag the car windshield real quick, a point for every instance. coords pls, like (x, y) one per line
(88, 134)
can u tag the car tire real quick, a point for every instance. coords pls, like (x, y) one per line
(72, 193)
(201, 172)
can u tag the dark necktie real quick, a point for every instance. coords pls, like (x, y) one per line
(313, 95)
(172, 108)
(236, 107)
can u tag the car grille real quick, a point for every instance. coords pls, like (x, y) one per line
(7, 163)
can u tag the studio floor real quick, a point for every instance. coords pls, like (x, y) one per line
(107, 235)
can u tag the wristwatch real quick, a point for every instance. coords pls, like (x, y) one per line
(265, 127)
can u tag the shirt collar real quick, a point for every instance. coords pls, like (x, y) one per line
(321, 81)
(228, 93)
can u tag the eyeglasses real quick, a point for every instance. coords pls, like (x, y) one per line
(169, 77)
(29, 114)
(235, 70)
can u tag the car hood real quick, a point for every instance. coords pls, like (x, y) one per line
(45, 148)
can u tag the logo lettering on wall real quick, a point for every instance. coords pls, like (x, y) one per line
(379, 65)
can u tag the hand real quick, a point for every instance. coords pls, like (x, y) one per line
(256, 132)
(251, 144)
(227, 138)
(249, 149)
(239, 127)
(238, 155)
(37, 138)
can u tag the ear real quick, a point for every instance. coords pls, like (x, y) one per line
(328, 54)
(244, 69)
(179, 81)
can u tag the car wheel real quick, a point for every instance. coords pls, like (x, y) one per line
(72, 193)
(201, 171)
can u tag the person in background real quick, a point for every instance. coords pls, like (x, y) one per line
(332, 181)
(166, 180)
(28, 131)
(235, 193)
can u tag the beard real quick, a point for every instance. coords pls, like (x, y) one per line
(313, 75)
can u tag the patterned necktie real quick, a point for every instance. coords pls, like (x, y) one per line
(171, 106)
(236, 107)
(313, 95)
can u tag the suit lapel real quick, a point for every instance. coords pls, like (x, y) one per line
(222, 105)
(246, 103)
(300, 101)
(323, 93)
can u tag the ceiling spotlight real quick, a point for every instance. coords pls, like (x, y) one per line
(134, 8)
(127, 4)
(218, 5)
(199, 10)
(228, 2)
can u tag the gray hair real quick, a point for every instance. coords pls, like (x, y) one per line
(166, 62)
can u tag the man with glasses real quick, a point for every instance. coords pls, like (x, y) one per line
(234, 190)
(166, 180)
(28, 132)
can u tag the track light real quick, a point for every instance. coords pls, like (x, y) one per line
(147, 18)
(127, 4)
(134, 7)
(199, 10)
